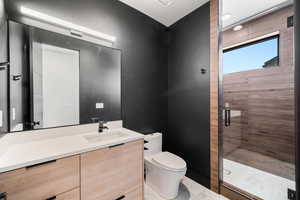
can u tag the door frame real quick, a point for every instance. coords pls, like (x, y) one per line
(297, 91)
(215, 53)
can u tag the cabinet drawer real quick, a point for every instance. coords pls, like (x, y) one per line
(71, 195)
(111, 172)
(136, 194)
(41, 181)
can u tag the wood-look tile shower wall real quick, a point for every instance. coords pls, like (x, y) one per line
(265, 97)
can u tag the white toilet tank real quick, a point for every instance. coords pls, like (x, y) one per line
(154, 144)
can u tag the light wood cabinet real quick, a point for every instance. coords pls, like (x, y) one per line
(71, 195)
(113, 172)
(136, 194)
(43, 181)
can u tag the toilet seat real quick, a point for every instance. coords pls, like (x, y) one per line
(169, 161)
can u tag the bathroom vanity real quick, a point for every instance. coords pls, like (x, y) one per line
(72, 163)
(60, 87)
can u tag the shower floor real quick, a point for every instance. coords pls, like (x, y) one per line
(262, 162)
(256, 182)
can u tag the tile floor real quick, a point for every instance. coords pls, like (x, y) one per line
(189, 190)
(257, 182)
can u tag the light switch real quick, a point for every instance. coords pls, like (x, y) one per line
(99, 105)
(1, 118)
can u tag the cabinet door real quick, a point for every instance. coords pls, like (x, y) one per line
(133, 178)
(100, 173)
(111, 173)
(42, 181)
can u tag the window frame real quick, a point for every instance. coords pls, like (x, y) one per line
(261, 40)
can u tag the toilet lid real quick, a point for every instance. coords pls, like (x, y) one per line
(169, 161)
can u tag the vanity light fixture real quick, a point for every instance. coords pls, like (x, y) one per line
(65, 24)
(238, 28)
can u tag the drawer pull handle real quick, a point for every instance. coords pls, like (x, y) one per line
(121, 197)
(145, 141)
(51, 198)
(39, 164)
(116, 145)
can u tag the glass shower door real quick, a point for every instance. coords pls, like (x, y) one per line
(258, 107)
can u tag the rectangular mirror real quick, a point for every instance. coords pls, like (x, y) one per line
(56, 80)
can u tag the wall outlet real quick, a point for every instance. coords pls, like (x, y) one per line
(99, 105)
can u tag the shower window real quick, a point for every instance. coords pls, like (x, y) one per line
(256, 55)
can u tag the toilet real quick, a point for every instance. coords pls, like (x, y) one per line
(164, 170)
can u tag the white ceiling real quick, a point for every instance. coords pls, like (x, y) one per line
(166, 15)
(242, 9)
(177, 9)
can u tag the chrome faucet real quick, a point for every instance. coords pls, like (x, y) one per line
(102, 126)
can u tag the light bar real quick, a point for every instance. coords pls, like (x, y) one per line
(66, 24)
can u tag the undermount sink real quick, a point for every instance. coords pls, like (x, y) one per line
(108, 135)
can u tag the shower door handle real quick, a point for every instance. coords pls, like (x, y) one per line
(227, 117)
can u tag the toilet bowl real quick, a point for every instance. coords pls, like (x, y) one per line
(164, 170)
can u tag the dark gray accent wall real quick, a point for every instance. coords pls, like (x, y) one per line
(188, 93)
(102, 65)
(19, 65)
(3, 72)
(297, 92)
(144, 63)
(3, 33)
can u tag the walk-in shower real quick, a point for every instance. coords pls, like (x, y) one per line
(258, 132)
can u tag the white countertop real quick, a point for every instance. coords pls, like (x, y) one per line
(18, 150)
